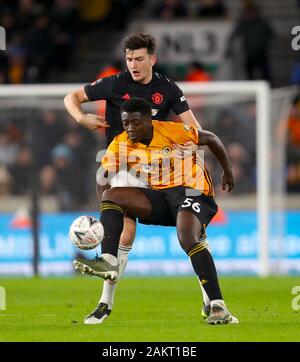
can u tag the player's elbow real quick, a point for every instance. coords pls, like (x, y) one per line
(75, 98)
(207, 138)
(212, 139)
(70, 100)
(67, 100)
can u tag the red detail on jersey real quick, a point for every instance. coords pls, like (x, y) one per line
(157, 98)
(126, 96)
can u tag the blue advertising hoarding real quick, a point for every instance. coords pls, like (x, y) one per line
(156, 249)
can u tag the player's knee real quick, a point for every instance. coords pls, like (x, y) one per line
(187, 238)
(100, 189)
(116, 195)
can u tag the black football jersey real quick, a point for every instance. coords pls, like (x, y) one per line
(163, 94)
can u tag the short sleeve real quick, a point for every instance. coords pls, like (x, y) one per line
(179, 103)
(179, 132)
(100, 89)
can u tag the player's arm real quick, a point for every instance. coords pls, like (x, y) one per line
(181, 108)
(189, 119)
(73, 102)
(206, 138)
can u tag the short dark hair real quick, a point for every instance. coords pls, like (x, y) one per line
(138, 41)
(137, 104)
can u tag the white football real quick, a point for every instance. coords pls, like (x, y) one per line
(86, 232)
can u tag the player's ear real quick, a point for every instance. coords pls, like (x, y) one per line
(153, 59)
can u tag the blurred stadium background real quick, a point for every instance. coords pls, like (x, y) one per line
(48, 162)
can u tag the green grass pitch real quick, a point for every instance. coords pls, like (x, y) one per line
(147, 309)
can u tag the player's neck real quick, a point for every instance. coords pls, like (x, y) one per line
(148, 138)
(147, 79)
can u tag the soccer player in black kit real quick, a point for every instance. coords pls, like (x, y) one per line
(164, 95)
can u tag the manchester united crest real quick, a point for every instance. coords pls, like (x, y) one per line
(157, 98)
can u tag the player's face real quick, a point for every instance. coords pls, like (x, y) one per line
(138, 129)
(139, 64)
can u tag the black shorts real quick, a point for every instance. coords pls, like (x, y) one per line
(168, 202)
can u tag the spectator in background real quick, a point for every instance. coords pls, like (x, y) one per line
(94, 13)
(107, 14)
(3, 68)
(48, 180)
(232, 128)
(72, 180)
(40, 35)
(197, 73)
(21, 172)
(256, 34)
(81, 152)
(120, 13)
(65, 20)
(17, 60)
(5, 180)
(8, 21)
(28, 11)
(51, 133)
(295, 76)
(243, 170)
(66, 177)
(211, 9)
(170, 9)
(238, 135)
(39, 49)
(8, 148)
(113, 68)
(293, 148)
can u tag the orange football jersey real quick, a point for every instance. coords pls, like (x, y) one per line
(156, 164)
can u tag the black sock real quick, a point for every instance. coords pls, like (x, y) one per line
(204, 267)
(112, 221)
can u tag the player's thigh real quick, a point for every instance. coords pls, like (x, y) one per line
(126, 179)
(121, 179)
(100, 190)
(131, 199)
(189, 229)
(161, 210)
(202, 207)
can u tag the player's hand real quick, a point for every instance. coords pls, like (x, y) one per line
(227, 181)
(186, 149)
(92, 121)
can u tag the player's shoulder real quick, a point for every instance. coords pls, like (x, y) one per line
(122, 137)
(119, 76)
(164, 126)
(114, 78)
(169, 126)
(121, 81)
(123, 76)
(163, 78)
